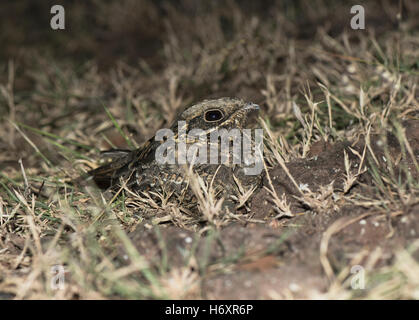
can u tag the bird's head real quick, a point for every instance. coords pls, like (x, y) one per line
(224, 113)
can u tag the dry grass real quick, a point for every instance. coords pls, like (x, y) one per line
(317, 81)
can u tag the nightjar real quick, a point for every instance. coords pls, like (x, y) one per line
(194, 138)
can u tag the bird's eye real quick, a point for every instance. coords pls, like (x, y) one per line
(213, 115)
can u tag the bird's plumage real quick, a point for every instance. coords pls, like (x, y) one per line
(142, 172)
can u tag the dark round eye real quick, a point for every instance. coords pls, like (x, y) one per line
(213, 115)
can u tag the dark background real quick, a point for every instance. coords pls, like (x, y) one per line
(132, 29)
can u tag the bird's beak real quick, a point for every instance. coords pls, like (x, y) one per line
(251, 106)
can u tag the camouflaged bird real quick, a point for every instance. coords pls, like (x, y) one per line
(142, 172)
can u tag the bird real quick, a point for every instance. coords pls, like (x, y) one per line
(148, 168)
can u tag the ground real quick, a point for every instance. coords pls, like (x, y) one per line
(337, 216)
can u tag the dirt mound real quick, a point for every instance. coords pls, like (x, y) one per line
(288, 255)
